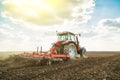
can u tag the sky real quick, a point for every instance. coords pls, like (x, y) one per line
(26, 24)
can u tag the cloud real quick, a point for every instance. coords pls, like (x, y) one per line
(107, 36)
(110, 24)
(18, 37)
(48, 12)
(5, 30)
(97, 37)
(12, 37)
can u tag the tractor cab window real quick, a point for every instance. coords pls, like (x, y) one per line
(62, 37)
(71, 37)
(66, 37)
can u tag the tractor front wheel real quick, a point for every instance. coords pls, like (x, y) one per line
(83, 53)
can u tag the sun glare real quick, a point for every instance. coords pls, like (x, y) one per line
(34, 7)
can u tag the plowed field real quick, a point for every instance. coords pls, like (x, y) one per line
(98, 66)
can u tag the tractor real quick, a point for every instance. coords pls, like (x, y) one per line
(68, 43)
(66, 47)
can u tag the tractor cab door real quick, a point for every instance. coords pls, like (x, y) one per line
(72, 37)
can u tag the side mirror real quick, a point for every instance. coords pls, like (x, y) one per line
(52, 43)
(79, 34)
(56, 32)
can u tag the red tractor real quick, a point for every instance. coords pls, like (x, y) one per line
(66, 47)
(68, 44)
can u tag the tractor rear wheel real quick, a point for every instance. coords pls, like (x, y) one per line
(71, 50)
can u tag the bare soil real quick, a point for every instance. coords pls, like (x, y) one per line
(98, 66)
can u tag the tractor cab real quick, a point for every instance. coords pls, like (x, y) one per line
(68, 36)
